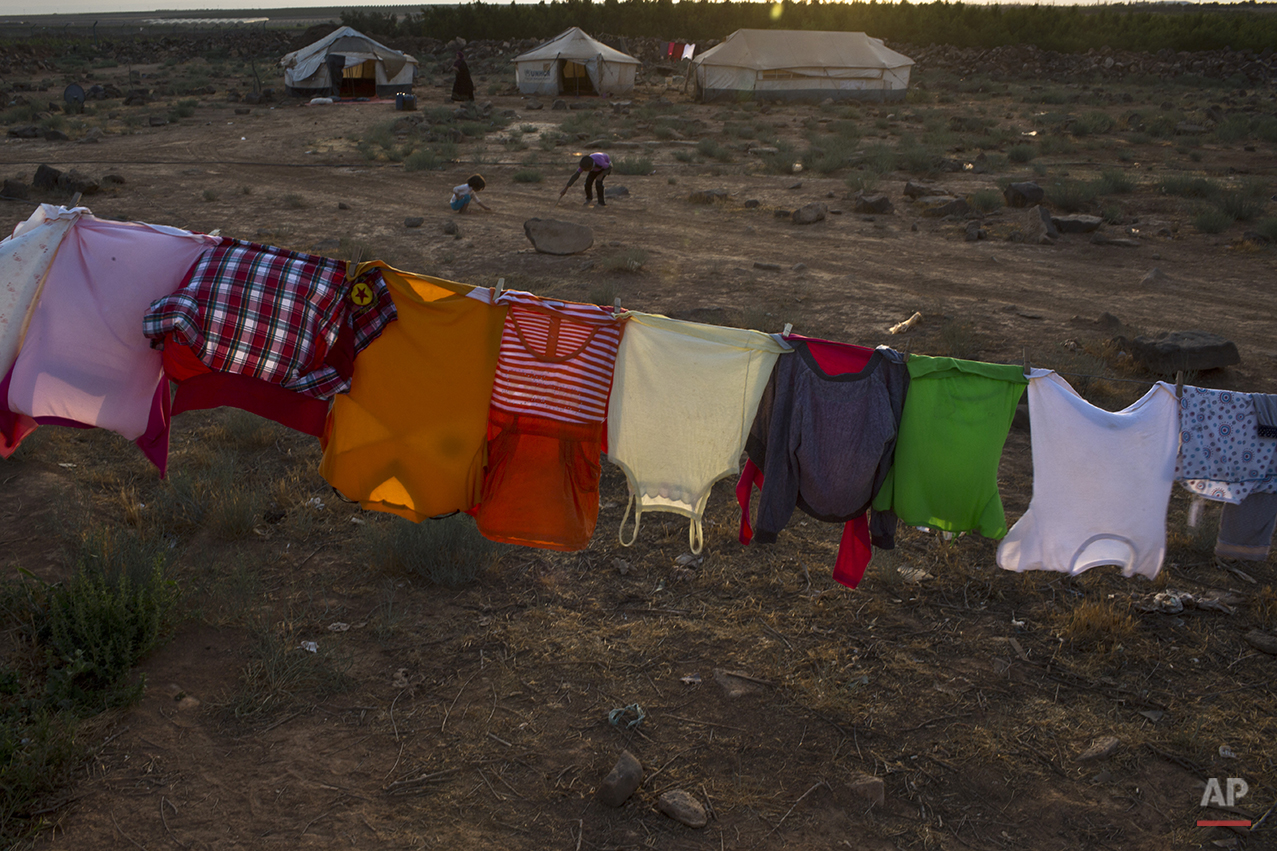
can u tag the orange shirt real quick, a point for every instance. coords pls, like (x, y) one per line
(410, 437)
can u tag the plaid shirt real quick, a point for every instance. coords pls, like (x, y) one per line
(272, 314)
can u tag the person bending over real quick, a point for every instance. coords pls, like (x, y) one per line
(465, 193)
(596, 167)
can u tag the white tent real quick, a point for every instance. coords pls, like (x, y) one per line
(801, 65)
(367, 68)
(573, 63)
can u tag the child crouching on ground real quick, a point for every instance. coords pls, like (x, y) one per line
(465, 193)
(596, 166)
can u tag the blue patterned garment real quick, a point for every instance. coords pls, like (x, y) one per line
(1221, 455)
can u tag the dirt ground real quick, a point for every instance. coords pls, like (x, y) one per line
(478, 716)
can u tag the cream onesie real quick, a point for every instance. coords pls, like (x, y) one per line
(1101, 482)
(683, 398)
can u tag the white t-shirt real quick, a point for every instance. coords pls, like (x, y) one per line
(1101, 482)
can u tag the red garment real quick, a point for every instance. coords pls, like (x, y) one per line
(200, 388)
(546, 423)
(14, 427)
(855, 548)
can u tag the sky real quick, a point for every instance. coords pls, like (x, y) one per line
(16, 8)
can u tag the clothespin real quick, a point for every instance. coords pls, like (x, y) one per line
(1179, 384)
(616, 307)
(1026, 362)
(496, 291)
(789, 328)
(75, 200)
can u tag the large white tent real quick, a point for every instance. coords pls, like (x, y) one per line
(801, 65)
(366, 67)
(573, 63)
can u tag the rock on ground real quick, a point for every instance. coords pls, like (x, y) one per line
(873, 205)
(550, 236)
(809, 214)
(1026, 194)
(1182, 350)
(624, 778)
(1077, 224)
(939, 206)
(682, 807)
(1037, 227)
(868, 787)
(1102, 748)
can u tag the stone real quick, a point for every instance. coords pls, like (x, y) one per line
(1037, 227)
(533, 105)
(1102, 748)
(809, 214)
(617, 192)
(752, 203)
(1262, 641)
(733, 685)
(939, 206)
(51, 135)
(1183, 128)
(783, 214)
(74, 181)
(451, 227)
(708, 196)
(921, 190)
(25, 131)
(243, 110)
(682, 807)
(550, 236)
(1190, 351)
(621, 782)
(112, 180)
(767, 267)
(1026, 194)
(156, 120)
(975, 232)
(414, 221)
(95, 134)
(1077, 223)
(342, 205)
(14, 189)
(1256, 237)
(798, 185)
(874, 205)
(188, 703)
(559, 104)
(1115, 241)
(868, 787)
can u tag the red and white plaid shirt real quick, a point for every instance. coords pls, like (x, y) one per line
(272, 314)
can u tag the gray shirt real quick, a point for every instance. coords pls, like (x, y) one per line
(826, 442)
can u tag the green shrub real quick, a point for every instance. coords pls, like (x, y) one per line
(183, 109)
(715, 151)
(1093, 124)
(830, 153)
(782, 161)
(1212, 220)
(986, 200)
(1071, 195)
(210, 195)
(633, 165)
(281, 672)
(1185, 186)
(1051, 144)
(435, 156)
(37, 754)
(1239, 204)
(916, 159)
(528, 175)
(449, 551)
(1021, 153)
(629, 260)
(1234, 128)
(1114, 181)
(683, 155)
(863, 182)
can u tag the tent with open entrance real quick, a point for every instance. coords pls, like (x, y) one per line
(350, 64)
(572, 63)
(801, 65)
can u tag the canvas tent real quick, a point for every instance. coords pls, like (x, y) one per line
(350, 64)
(572, 63)
(801, 65)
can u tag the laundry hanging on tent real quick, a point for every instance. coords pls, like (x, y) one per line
(823, 441)
(683, 399)
(546, 422)
(25, 257)
(84, 360)
(1222, 456)
(955, 424)
(688, 51)
(268, 330)
(410, 438)
(1101, 482)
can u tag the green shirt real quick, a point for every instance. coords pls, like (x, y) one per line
(956, 418)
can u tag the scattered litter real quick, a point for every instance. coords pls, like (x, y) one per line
(622, 566)
(215, 232)
(1017, 624)
(1195, 511)
(400, 679)
(1153, 715)
(338, 626)
(358, 521)
(688, 559)
(901, 327)
(1226, 752)
(617, 716)
(310, 646)
(315, 503)
(1174, 602)
(1169, 602)
(690, 679)
(1019, 649)
(913, 575)
(66, 465)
